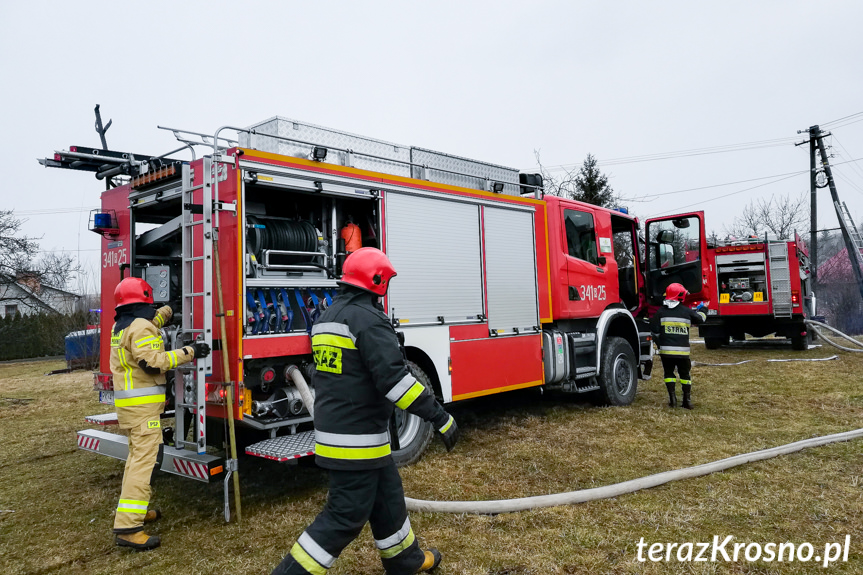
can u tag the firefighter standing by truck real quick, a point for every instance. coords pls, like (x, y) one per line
(139, 363)
(360, 375)
(670, 328)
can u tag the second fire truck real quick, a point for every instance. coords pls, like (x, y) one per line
(757, 286)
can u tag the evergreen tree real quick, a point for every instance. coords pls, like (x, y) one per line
(591, 185)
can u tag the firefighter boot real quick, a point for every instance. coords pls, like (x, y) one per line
(152, 515)
(672, 397)
(687, 397)
(432, 560)
(139, 541)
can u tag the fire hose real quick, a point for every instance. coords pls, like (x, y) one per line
(584, 495)
(646, 482)
(817, 325)
(631, 486)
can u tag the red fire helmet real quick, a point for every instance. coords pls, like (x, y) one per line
(132, 290)
(675, 292)
(369, 269)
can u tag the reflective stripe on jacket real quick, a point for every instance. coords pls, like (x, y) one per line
(361, 374)
(139, 363)
(670, 328)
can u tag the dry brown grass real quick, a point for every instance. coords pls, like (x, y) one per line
(513, 445)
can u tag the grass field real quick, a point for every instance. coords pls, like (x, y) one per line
(56, 503)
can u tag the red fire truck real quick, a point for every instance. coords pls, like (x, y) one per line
(499, 287)
(757, 286)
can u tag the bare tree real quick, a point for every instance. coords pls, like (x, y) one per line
(20, 260)
(780, 217)
(15, 249)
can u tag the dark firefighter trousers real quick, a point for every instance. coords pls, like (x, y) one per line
(355, 497)
(683, 365)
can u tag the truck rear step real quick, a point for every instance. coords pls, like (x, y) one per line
(200, 467)
(285, 448)
(111, 418)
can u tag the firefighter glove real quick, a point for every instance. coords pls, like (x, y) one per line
(701, 306)
(449, 433)
(201, 349)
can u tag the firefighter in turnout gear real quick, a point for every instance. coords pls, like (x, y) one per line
(670, 328)
(139, 363)
(361, 374)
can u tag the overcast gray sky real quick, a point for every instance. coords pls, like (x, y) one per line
(487, 80)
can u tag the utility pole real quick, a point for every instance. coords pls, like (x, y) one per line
(813, 210)
(850, 234)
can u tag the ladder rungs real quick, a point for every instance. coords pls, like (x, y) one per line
(195, 259)
(196, 294)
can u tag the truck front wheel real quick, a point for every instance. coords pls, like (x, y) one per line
(415, 433)
(618, 375)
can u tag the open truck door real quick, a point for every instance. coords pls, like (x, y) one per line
(676, 253)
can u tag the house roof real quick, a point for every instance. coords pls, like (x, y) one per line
(33, 297)
(837, 267)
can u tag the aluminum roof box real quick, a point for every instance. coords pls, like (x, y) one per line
(297, 139)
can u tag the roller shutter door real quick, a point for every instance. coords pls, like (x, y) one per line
(510, 253)
(435, 247)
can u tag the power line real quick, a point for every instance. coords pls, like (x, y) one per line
(854, 186)
(856, 168)
(685, 153)
(53, 211)
(846, 124)
(842, 118)
(738, 192)
(760, 185)
(721, 185)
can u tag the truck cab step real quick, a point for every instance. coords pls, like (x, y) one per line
(111, 418)
(197, 466)
(285, 447)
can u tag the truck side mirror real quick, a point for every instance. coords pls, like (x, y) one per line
(666, 255)
(665, 237)
(601, 260)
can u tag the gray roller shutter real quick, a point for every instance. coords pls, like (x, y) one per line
(435, 247)
(510, 251)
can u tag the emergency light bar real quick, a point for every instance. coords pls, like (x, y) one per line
(748, 248)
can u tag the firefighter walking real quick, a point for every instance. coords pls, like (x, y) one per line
(670, 328)
(361, 374)
(139, 363)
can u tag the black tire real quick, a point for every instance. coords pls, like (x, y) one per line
(715, 342)
(618, 375)
(801, 342)
(415, 434)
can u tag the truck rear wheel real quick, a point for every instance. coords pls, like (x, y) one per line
(715, 342)
(801, 342)
(618, 375)
(415, 433)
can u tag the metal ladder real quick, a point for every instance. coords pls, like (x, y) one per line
(196, 288)
(856, 238)
(780, 279)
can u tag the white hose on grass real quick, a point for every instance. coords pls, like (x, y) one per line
(584, 495)
(817, 324)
